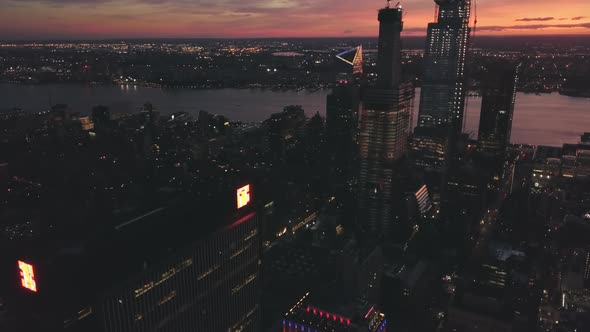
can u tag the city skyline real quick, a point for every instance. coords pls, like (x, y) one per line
(101, 19)
(205, 165)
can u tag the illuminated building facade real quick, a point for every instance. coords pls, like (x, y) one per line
(423, 200)
(497, 107)
(170, 269)
(213, 286)
(27, 276)
(356, 61)
(429, 147)
(86, 124)
(442, 99)
(384, 128)
(304, 317)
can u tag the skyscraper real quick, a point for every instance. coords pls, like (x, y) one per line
(191, 264)
(342, 107)
(497, 107)
(442, 99)
(384, 128)
(352, 59)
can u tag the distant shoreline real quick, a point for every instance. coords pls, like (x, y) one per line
(193, 39)
(254, 86)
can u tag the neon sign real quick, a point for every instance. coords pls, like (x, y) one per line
(27, 276)
(243, 195)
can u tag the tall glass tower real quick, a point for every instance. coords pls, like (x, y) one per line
(497, 107)
(442, 99)
(384, 127)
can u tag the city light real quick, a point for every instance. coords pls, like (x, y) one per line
(27, 275)
(243, 195)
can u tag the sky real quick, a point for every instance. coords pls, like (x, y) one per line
(103, 19)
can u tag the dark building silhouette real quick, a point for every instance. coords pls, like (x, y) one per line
(497, 107)
(306, 316)
(315, 140)
(204, 124)
(342, 108)
(284, 130)
(384, 128)
(442, 99)
(191, 264)
(342, 111)
(3, 181)
(101, 115)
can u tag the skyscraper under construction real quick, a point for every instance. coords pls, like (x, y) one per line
(384, 128)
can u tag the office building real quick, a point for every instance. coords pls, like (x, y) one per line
(284, 131)
(305, 316)
(384, 128)
(342, 111)
(342, 108)
(429, 147)
(423, 200)
(497, 107)
(495, 293)
(444, 83)
(350, 61)
(189, 265)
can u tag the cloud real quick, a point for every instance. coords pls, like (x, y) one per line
(63, 3)
(495, 28)
(577, 18)
(535, 19)
(252, 18)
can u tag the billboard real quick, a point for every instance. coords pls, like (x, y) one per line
(27, 276)
(243, 196)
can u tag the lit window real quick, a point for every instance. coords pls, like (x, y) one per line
(243, 196)
(27, 275)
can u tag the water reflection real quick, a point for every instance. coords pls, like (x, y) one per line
(549, 119)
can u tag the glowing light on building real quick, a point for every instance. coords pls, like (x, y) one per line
(357, 61)
(369, 312)
(27, 274)
(243, 196)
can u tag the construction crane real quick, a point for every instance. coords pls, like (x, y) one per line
(475, 18)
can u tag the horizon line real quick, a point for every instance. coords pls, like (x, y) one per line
(262, 38)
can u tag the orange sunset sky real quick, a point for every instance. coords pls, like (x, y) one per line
(96, 19)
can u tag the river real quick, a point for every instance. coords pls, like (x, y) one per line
(547, 119)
